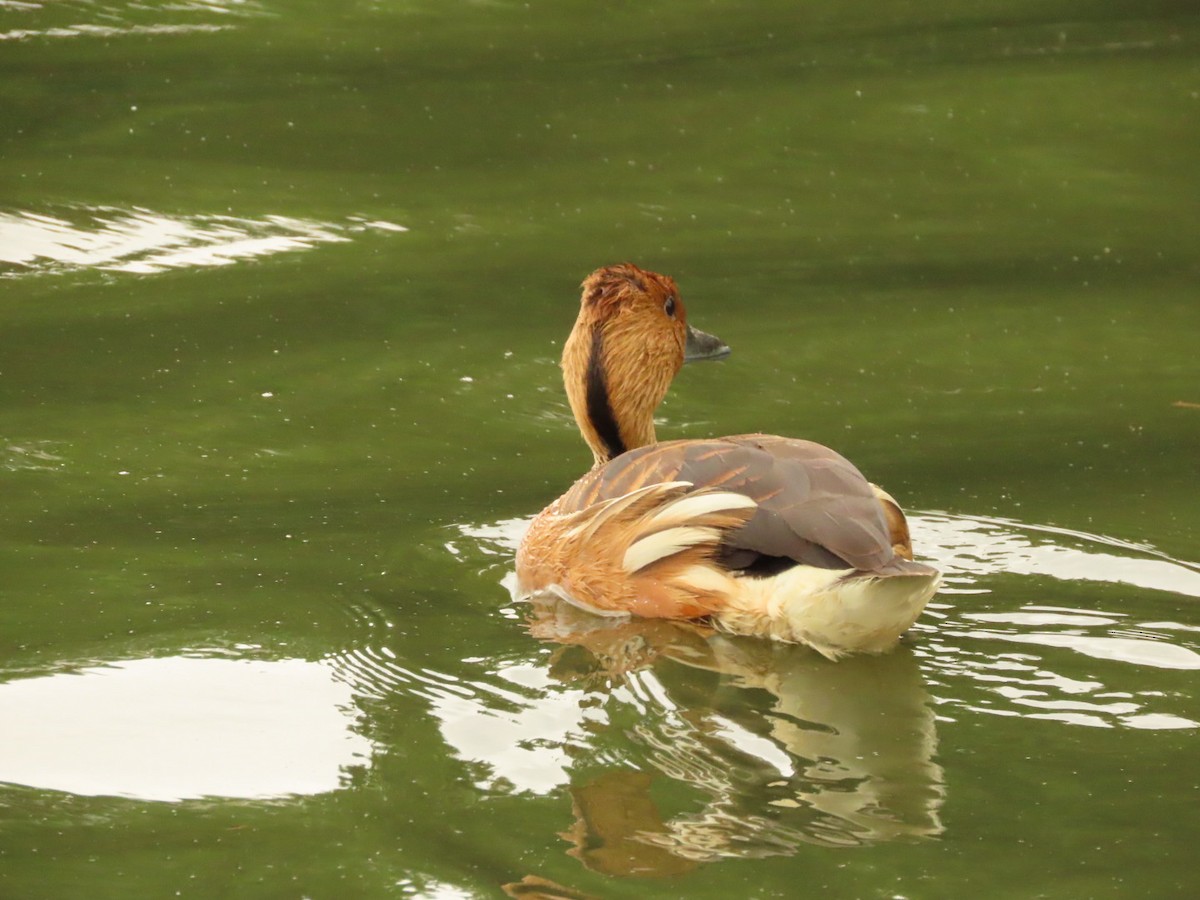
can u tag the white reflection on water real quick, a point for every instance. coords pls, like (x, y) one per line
(33, 456)
(145, 242)
(115, 18)
(982, 556)
(519, 719)
(85, 30)
(973, 546)
(174, 728)
(522, 729)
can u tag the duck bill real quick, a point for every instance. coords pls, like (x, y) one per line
(702, 346)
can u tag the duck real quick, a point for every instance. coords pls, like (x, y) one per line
(752, 534)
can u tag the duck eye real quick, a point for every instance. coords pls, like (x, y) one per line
(669, 307)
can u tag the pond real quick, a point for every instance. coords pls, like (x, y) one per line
(285, 284)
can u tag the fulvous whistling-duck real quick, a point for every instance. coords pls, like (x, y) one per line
(764, 535)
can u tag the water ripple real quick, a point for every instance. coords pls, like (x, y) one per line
(977, 545)
(107, 31)
(116, 19)
(145, 242)
(33, 456)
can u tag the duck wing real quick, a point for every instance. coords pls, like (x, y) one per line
(814, 507)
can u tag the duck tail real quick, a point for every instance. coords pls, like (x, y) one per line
(834, 611)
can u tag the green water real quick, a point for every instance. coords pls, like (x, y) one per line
(283, 289)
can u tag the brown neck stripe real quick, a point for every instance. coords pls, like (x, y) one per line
(599, 407)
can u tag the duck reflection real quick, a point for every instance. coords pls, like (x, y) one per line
(781, 749)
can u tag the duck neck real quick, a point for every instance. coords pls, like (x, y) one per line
(613, 404)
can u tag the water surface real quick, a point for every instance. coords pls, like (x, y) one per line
(285, 286)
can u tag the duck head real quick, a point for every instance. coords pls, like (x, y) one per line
(629, 341)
